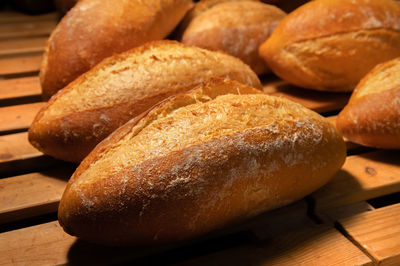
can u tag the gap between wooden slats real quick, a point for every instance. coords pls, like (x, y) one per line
(11, 16)
(362, 177)
(39, 239)
(377, 232)
(21, 46)
(18, 156)
(25, 29)
(13, 91)
(32, 194)
(295, 243)
(344, 192)
(25, 63)
(319, 101)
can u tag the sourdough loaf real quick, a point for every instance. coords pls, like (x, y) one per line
(372, 116)
(198, 162)
(120, 88)
(95, 29)
(331, 45)
(235, 27)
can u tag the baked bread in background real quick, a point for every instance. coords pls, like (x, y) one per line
(121, 87)
(95, 29)
(198, 162)
(372, 116)
(199, 8)
(235, 27)
(330, 45)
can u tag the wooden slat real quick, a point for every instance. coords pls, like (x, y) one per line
(378, 232)
(20, 64)
(27, 29)
(18, 117)
(331, 216)
(32, 194)
(16, 154)
(10, 16)
(305, 245)
(362, 177)
(48, 244)
(20, 46)
(318, 101)
(19, 87)
(16, 146)
(45, 244)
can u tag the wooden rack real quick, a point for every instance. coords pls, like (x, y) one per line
(353, 220)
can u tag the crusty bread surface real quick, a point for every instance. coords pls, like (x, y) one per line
(200, 7)
(372, 116)
(198, 162)
(235, 27)
(120, 88)
(95, 29)
(331, 45)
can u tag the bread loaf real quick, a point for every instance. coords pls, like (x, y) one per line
(200, 7)
(198, 162)
(331, 45)
(120, 88)
(372, 116)
(95, 29)
(235, 27)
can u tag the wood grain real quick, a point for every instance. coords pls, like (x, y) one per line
(331, 216)
(362, 177)
(18, 117)
(26, 29)
(20, 64)
(11, 16)
(378, 232)
(45, 244)
(21, 46)
(306, 245)
(32, 194)
(48, 244)
(11, 89)
(17, 155)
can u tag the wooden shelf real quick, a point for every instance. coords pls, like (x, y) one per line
(333, 226)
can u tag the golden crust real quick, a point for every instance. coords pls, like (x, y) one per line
(237, 28)
(331, 45)
(276, 152)
(95, 29)
(120, 88)
(372, 116)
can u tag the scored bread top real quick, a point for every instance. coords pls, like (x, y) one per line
(121, 87)
(196, 162)
(372, 115)
(96, 29)
(155, 68)
(331, 45)
(324, 18)
(383, 77)
(237, 28)
(237, 13)
(198, 122)
(198, 9)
